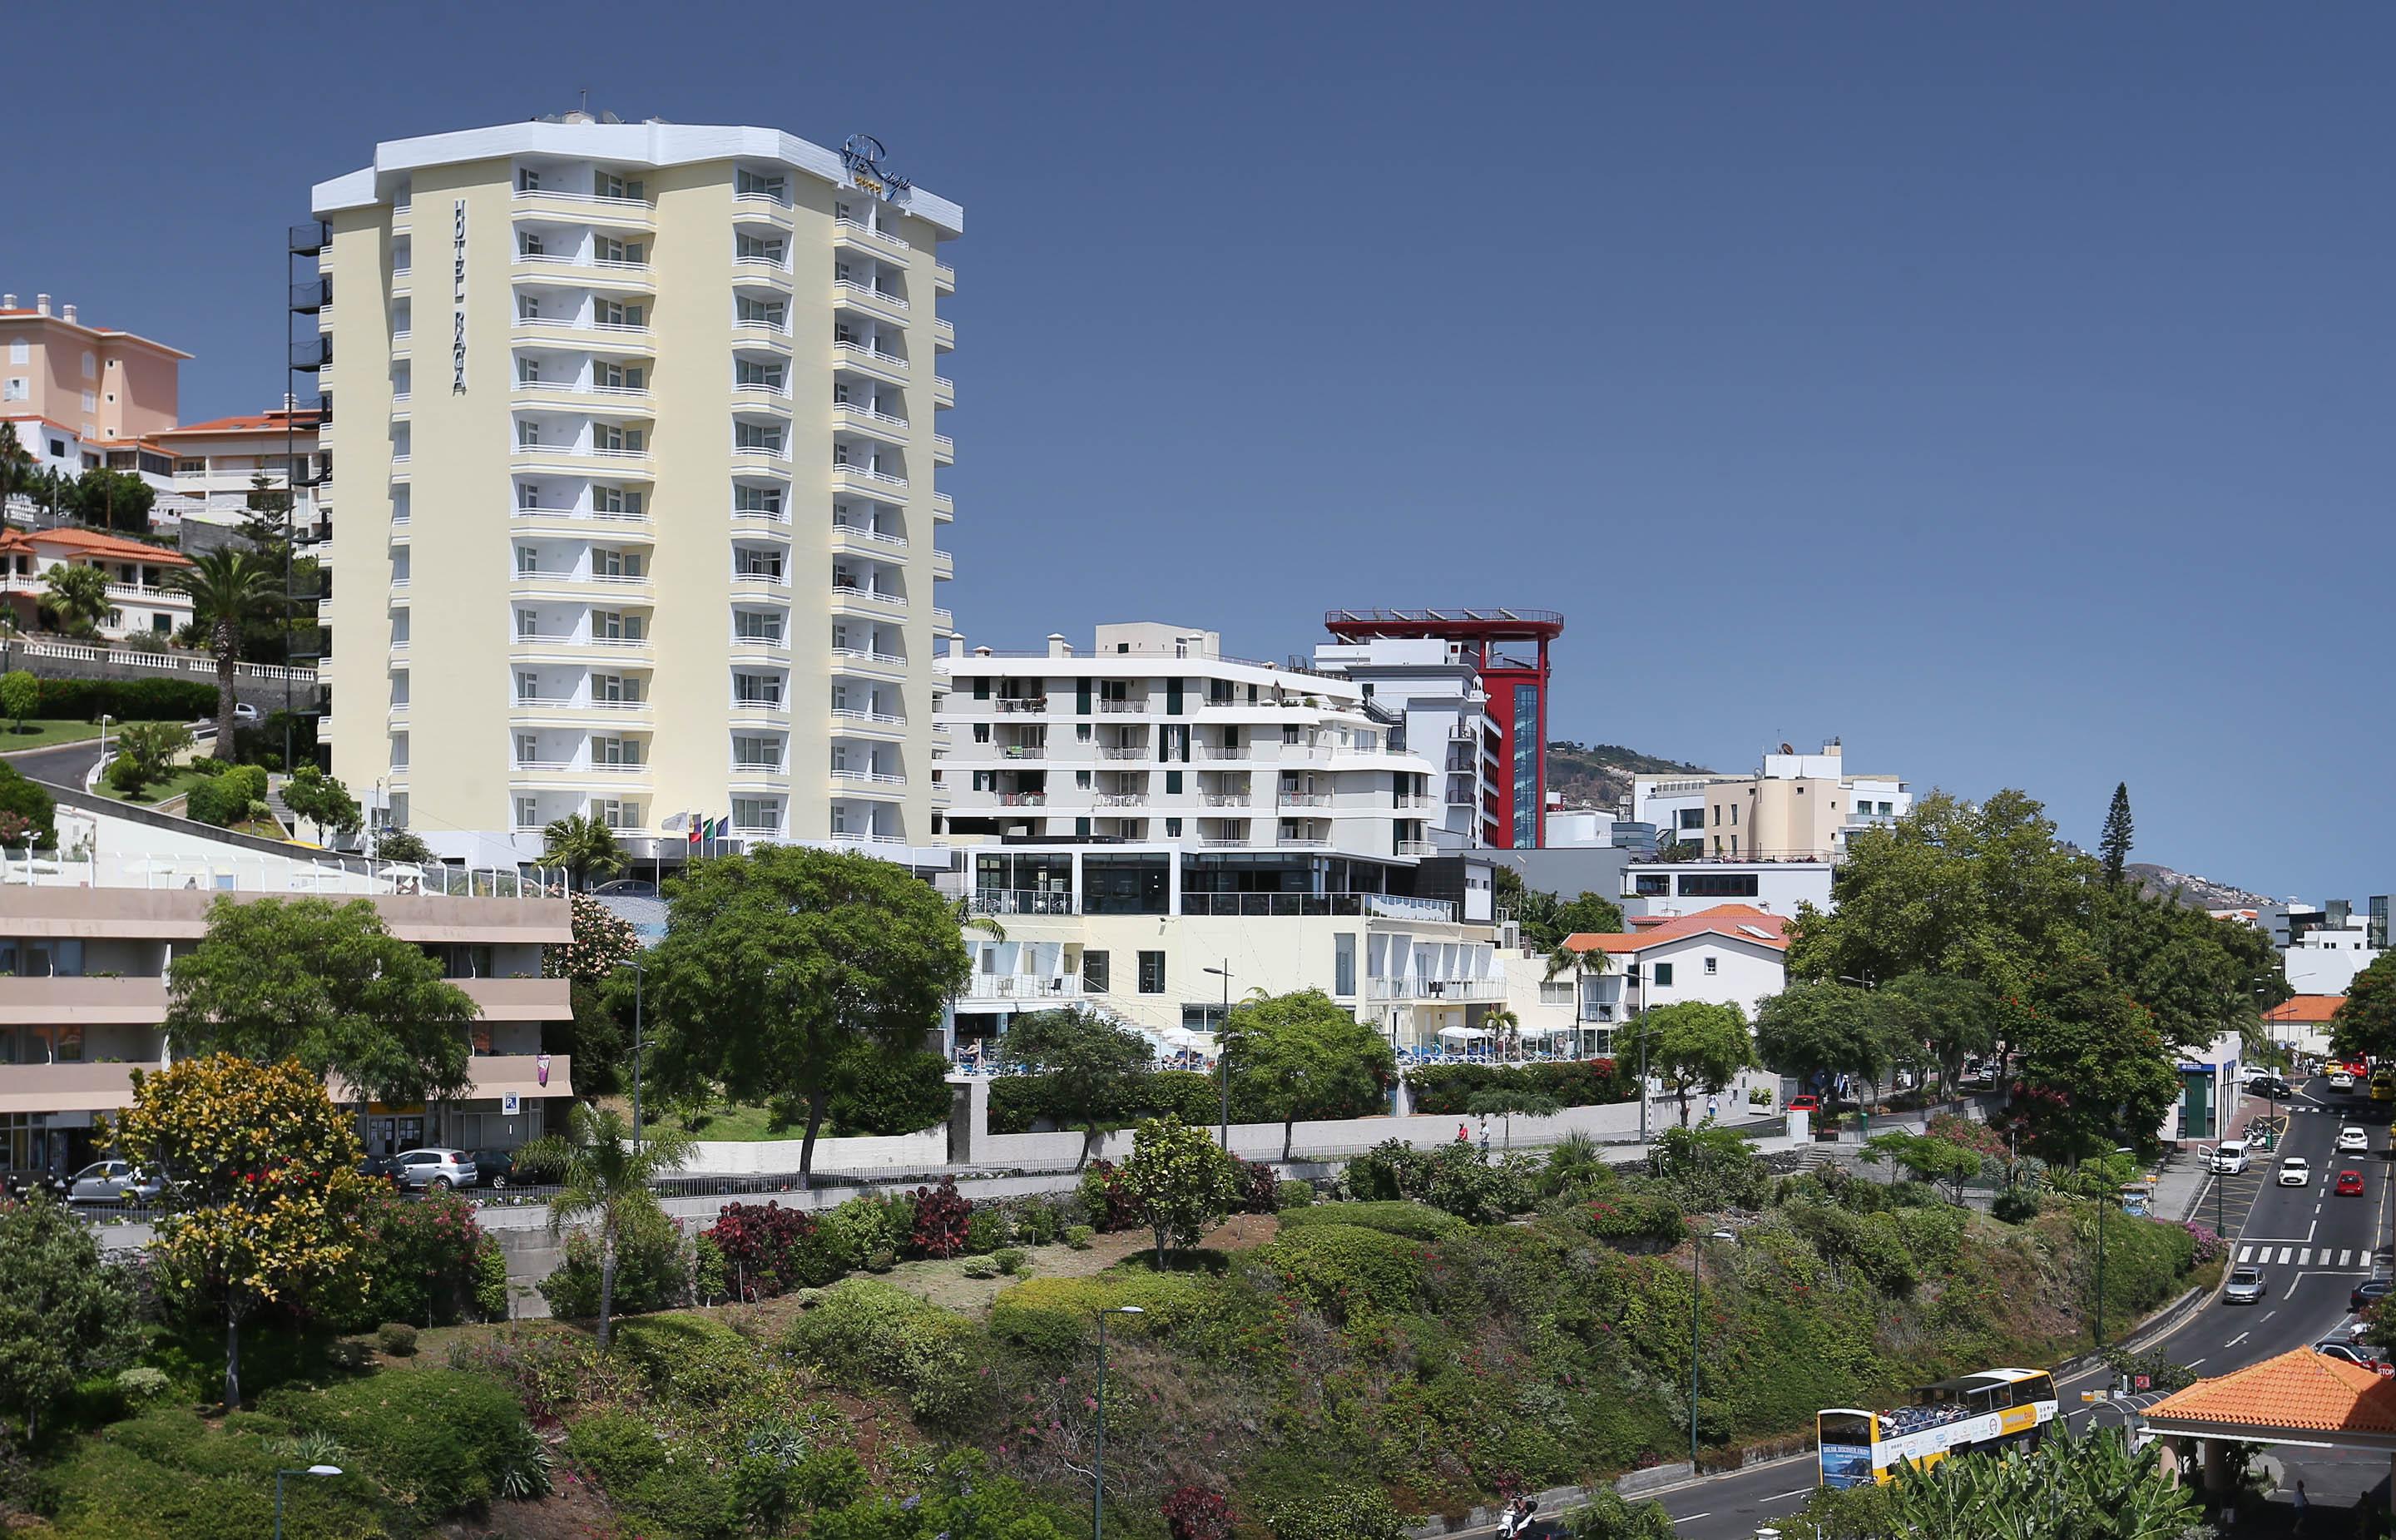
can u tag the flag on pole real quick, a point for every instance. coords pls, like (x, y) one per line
(698, 828)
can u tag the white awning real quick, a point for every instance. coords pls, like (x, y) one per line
(1462, 1034)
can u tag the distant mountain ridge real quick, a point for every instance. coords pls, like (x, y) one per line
(1599, 774)
(2195, 892)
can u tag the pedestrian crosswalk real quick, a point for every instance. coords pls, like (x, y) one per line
(2302, 1257)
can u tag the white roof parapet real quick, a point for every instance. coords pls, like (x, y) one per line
(620, 143)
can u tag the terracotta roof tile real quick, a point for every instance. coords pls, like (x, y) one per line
(1738, 922)
(2305, 1008)
(90, 542)
(305, 422)
(2297, 1390)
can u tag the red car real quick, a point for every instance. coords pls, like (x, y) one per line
(2349, 1184)
(1805, 1104)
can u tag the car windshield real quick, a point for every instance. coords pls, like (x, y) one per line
(2246, 1275)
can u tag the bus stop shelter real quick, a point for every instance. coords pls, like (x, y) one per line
(2300, 1398)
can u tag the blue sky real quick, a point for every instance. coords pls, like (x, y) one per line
(2004, 389)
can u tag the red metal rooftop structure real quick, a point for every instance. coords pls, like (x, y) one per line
(1509, 648)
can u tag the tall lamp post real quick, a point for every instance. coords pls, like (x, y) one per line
(1696, 1291)
(1223, 1059)
(311, 1470)
(1098, 1459)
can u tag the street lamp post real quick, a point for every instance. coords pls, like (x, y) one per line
(1222, 1057)
(1098, 1446)
(1697, 1291)
(311, 1470)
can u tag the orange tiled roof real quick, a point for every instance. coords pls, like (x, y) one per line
(2297, 1390)
(91, 543)
(1740, 922)
(2305, 1008)
(303, 420)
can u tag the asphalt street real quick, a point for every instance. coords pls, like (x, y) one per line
(64, 765)
(2313, 1247)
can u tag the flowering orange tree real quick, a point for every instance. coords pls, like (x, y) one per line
(263, 1186)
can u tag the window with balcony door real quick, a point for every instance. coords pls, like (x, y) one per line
(758, 313)
(750, 689)
(1151, 973)
(615, 687)
(757, 500)
(756, 626)
(527, 180)
(527, 813)
(758, 248)
(527, 561)
(761, 814)
(617, 626)
(626, 253)
(618, 814)
(527, 433)
(530, 245)
(619, 377)
(750, 375)
(759, 185)
(605, 562)
(757, 562)
(611, 500)
(609, 185)
(615, 750)
(751, 753)
(528, 681)
(615, 312)
(757, 435)
(609, 438)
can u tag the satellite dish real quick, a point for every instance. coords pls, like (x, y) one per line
(1788, 748)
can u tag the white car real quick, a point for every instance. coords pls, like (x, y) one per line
(438, 1170)
(2295, 1173)
(2353, 1141)
(2341, 1081)
(2230, 1157)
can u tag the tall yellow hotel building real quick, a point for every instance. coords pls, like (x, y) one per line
(633, 424)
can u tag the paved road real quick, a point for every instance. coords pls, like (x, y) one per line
(2313, 1247)
(64, 765)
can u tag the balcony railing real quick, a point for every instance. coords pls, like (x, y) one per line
(1228, 799)
(855, 228)
(846, 290)
(1023, 987)
(1022, 799)
(867, 473)
(869, 777)
(1019, 703)
(869, 355)
(880, 537)
(884, 718)
(1121, 708)
(1417, 848)
(1302, 799)
(1313, 905)
(1123, 751)
(848, 413)
(1410, 988)
(1019, 901)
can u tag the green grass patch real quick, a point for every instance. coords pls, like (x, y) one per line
(155, 792)
(45, 734)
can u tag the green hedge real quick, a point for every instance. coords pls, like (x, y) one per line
(129, 700)
(1018, 1101)
(1447, 1090)
(438, 1441)
(224, 798)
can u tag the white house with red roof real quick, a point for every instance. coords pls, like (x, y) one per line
(138, 574)
(1732, 954)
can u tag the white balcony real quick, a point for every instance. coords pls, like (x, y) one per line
(852, 232)
(870, 360)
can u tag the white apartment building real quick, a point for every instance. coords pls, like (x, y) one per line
(1432, 695)
(217, 466)
(1664, 889)
(1729, 954)
(1794, 807)
(668, 487)
(1149, 816)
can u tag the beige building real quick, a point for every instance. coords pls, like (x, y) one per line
(634, 432)
(1795, 808)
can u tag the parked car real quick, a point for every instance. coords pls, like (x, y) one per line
(2230, 1157)
(2353, 1141)
(2368, 1294)
(2245, 1286)
(2349, 1184)
(494, 1168)
(381, 1168)
(1805, 1104)
(435, 1170)
(112, 1182)
(2295, 1173)
(2268, 1085)
(2332, 1347)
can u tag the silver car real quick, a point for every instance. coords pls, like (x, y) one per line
(2245, 1286)
(112, 1182)
(437, 1169)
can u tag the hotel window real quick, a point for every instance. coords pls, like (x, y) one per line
(609, 185)
(609, 499)
(527, 813)
(1343, 963)
(758, 248)
(20, 353)
(619, 814)
(757, 500)
(757, 625)
(527, 180)
(757, 815)
(753, 562)
(90, 367)
(623, 253)
(616, 376)
(748, 374)
(612, 687)
(1095, 972)
(750, 689)
(615, 312)
(1710, 966)
(758, 313)
(756, 753)
(1151, 973)
(759, 185)
(757, 435)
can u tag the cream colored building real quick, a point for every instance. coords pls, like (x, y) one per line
(1796, 807)
(634, 437)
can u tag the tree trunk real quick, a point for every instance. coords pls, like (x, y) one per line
(607, 1283)
(224, 697)
(817, 1098)
(233, 1360)
(1090, 1138)
(1681, 1090)
(1160, 1248)
(1289, 1130)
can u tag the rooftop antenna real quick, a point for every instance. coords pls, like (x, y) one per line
(585, 95)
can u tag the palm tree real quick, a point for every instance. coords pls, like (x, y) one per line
(230, 590)
(583, 845)
(78, 596)
(17, 472)
(1501, 1021)
(606, 1176)
(1581, 964)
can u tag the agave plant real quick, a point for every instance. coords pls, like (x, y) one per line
(524, 1473)
(312, 1449)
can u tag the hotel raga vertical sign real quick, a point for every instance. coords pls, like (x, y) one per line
(457, 300)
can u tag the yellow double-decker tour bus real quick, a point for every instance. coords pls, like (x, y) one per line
(2001, 1409)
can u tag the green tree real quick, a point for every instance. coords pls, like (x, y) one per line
(2115, 842)
(262, 1190)
(1094, 1071)
(1956, 1015)
(152, 745)
(2095, 1071)
(328, 984)
(1510, 1100)
(604, 941)
(1610, 1516)
(2202, 978)
(21, 695)
(1305, 1056)
(398, 844)
(776, 961)
(2366, 1020)
(1692, 1045)
(231, 590)
(63, 1313)
(605, 1178)
(1545, 920)
(583, 845)
(1184, 1183)
(111, 499)
(77, 596)
(1811, 1030)
(1925, 1158)
(18, 472)
(322, 800)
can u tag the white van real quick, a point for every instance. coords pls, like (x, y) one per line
(2230, 1157)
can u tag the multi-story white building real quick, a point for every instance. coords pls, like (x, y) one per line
(217, 466)
(668, 483)
(1432, 693)
(1152, 816)
(1689, 886)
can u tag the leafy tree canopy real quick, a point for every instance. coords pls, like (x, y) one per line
(1096, 1070)
(328, 984)
(63, 1314)
(1305, 1056)
(2366, 1020)
(1694, 1044)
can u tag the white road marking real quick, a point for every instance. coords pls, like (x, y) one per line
(2269, 1314)
(2287, 1252)
(2246, 1251)
(1692, 1518)
(2344, 1257)
(2305, 1258)
(1794, 1492)
(2194, 1362)
(2236, 1340)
